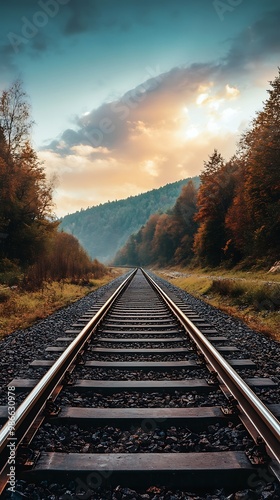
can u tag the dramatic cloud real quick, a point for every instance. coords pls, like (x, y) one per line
(159, 132)
(254, 44)
(156, 102)
(162, 130)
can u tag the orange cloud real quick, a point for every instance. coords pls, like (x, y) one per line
(158, 133)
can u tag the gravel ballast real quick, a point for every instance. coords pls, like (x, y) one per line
(110, 439)
(23, 346)
(134, 399)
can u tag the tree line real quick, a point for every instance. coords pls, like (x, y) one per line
(233, 216)
(30, 243)
(105, 228)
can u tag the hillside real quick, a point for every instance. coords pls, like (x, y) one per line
(104, 229)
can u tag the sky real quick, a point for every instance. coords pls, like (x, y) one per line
(129, 95)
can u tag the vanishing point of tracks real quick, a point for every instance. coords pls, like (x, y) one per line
(141, 392)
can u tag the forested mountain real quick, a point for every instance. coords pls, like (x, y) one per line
(235, 214)
(166, 238)
(104, 229)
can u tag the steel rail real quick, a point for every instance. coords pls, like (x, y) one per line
(263, 421)
(34, 403)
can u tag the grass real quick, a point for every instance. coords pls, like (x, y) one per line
(253, 297)
(21, 309)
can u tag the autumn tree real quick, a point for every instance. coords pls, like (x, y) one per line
(174, 233)
(237, 221)
(259, 193)
(128, 255)
(15, 117)
(184, 211)
(64, 259)
(145, 253)
(67, 258)
(165, 239)
(25, 194)
(214, 199)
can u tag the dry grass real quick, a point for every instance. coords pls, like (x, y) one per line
(20, 309)
(253, 297)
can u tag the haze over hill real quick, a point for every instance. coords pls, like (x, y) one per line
(104, 229)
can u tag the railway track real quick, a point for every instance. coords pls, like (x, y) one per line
(141, 392)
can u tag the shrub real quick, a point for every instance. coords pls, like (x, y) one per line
(98, 269)
(264, 296)
(227, 287)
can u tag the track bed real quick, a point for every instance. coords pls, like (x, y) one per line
(142, 412)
